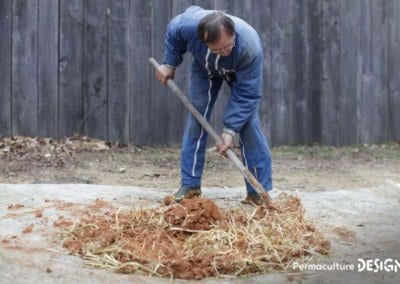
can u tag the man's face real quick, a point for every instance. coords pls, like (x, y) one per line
(223, 47)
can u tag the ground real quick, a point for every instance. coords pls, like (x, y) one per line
(88, 161)
(352, 194)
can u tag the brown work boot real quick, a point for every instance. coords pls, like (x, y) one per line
(253, 199)
(186, 192)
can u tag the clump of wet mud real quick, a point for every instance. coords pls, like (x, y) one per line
(193, 214)
(195, 239)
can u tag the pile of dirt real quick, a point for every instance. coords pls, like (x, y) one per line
(195, 239)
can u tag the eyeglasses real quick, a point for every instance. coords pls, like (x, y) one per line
(227, 47)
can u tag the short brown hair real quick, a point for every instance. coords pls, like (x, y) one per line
(210, 27)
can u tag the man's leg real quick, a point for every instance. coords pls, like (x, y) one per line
(204, 92)
(256, 154)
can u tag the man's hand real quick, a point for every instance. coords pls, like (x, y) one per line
(228, 143)
(164, 73)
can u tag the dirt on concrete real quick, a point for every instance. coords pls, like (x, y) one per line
(352, 194)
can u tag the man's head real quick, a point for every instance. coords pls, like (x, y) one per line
(217, 30)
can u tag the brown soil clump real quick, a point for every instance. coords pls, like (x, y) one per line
(15, 206)
(39, 213)
(28, 229)
(344, 234)
(195, 239)
(193, 214)
(61, 222)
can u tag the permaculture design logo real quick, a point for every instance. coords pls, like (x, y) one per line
(363, 265)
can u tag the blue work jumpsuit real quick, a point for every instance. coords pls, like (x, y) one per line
(243, 71)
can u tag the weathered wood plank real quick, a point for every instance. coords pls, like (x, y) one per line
(118, 71)
(5, 67)
(24, 68)
(161, 116)
(95, 69)
(393, 82)
(244, 10)
(331, 80)
(281, 84)
(225, 6)
(380, 31)
(142, 78)
(314, 70)
(206, 4)
(298, 92)
(263, 26)
(71, 67)
(349, 69)
(374, 46)
(48, 68)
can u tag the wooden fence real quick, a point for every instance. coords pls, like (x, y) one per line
(332, 69)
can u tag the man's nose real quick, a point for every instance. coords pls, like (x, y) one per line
(226, 52)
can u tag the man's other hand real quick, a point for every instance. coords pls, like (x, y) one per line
(164, 73)
(228, 143)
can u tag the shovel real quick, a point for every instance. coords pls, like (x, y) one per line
(203, 121)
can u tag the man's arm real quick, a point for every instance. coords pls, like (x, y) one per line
(175, 43)
(245, 95)
(174, 48)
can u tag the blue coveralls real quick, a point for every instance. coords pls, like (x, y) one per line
(243, 71)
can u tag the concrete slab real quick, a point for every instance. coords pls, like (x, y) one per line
(369, 215)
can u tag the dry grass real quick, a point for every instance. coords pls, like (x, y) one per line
(238, 241)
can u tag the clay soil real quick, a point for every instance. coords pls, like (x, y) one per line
(195, 239)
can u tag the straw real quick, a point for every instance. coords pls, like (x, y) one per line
(166, 241)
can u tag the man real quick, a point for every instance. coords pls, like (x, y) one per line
(224, 47)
